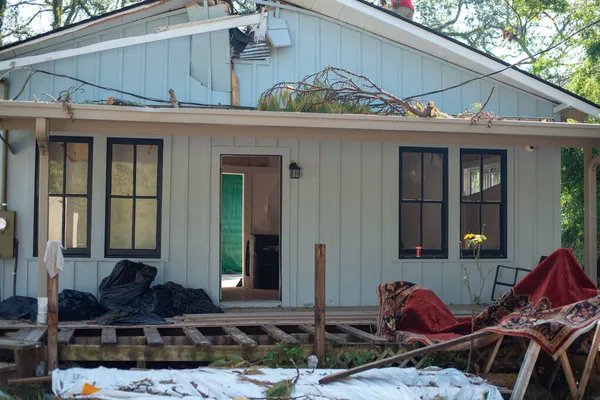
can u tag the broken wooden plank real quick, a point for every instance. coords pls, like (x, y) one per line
(197, 338)
(10, 344)
(65, 335)
(531, 356)
(238, 336)
(310, 329)
(153, 337)
(589, 364)
(404, 356)
(566, 366)
(35, 335)
(488, 366)
(109, 337)
(366, 336)
(279, 335)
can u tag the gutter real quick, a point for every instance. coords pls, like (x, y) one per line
(21, 111)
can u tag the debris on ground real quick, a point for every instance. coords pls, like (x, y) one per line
(207, 383)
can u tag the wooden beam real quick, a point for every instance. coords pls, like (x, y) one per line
(238, 336)
(493, 355)
(52, 322)
(526, 370)
(109, 337)
(404, 356)
(320, 256)
(590, 215)
(566, 366)
(169, 32)
(374, 339)
(35, 335)
(279, 335)
(196, 337)
(330, 337)
(10, 344)
(153, 337)
(65, 335)
(41, 134)
(589, 364)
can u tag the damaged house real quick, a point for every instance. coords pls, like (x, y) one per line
(219, 196)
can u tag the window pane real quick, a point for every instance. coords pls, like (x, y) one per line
(121, 221)
(491, 178)
(55, 218)
(490, 214)
(411, 225)
(77, 168)
(471, 178)
(57, 158)
(145, 224)
(76, 223)
(146, 170)
(433, 171)
(469, 221)
(432, 226)
(411, 176)
(122, 170)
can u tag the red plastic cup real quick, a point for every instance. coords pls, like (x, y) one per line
(419, 249)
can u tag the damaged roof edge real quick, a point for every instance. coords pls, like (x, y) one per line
(5, 51)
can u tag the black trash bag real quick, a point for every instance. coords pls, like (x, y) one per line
(173, 299)
(78, 306)
(126, 286)
(19, 308)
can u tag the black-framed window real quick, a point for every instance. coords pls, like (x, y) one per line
(133, 198)
(69, 194)
(483, 200)
(423, 208)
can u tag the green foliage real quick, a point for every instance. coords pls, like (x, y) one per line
(447, 360)
(284, 356)
(308, 102)
(229, 362)
(572, 200)
(32, 391)
(280, 390)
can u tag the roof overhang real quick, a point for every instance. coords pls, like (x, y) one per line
(242, 123)
(421, 39)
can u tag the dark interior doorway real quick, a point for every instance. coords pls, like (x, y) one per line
(250, 228)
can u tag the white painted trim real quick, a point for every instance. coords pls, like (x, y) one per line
(96, 25)
(507, 128)
(214, 285)
(175, 31)
(560, 108)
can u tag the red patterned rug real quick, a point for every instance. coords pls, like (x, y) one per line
(553, 305)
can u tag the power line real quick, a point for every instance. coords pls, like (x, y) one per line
(508, 66)
(34, 71)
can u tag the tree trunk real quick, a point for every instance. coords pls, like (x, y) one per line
(57, 13)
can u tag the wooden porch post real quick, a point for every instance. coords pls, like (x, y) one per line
(320, 255)
(590, 215)
(41, 135)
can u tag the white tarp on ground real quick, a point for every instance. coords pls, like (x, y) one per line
(209, 383)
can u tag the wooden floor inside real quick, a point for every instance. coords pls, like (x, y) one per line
(248, 294)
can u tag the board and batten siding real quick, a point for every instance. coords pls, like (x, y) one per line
(347, 198)
(318, 42)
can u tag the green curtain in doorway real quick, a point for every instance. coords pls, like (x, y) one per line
(232, 211)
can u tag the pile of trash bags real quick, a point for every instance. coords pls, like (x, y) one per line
(126, 298)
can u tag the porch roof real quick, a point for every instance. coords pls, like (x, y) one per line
(21, 115)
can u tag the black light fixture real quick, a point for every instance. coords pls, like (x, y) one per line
(294, 170)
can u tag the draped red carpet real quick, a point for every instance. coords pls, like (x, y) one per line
(552, 305)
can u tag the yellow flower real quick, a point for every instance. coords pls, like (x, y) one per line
(469, 236)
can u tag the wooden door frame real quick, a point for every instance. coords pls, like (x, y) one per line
(215, 221)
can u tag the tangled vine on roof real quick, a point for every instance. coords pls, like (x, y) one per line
(337, 90)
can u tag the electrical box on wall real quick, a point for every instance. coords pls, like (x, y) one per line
(7, 234)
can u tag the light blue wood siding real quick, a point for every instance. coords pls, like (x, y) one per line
(347, 198)
(319, 42)
(148, 70)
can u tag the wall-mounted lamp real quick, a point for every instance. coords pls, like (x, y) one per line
(295, 170)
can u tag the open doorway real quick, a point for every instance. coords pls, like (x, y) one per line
(250, 228)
